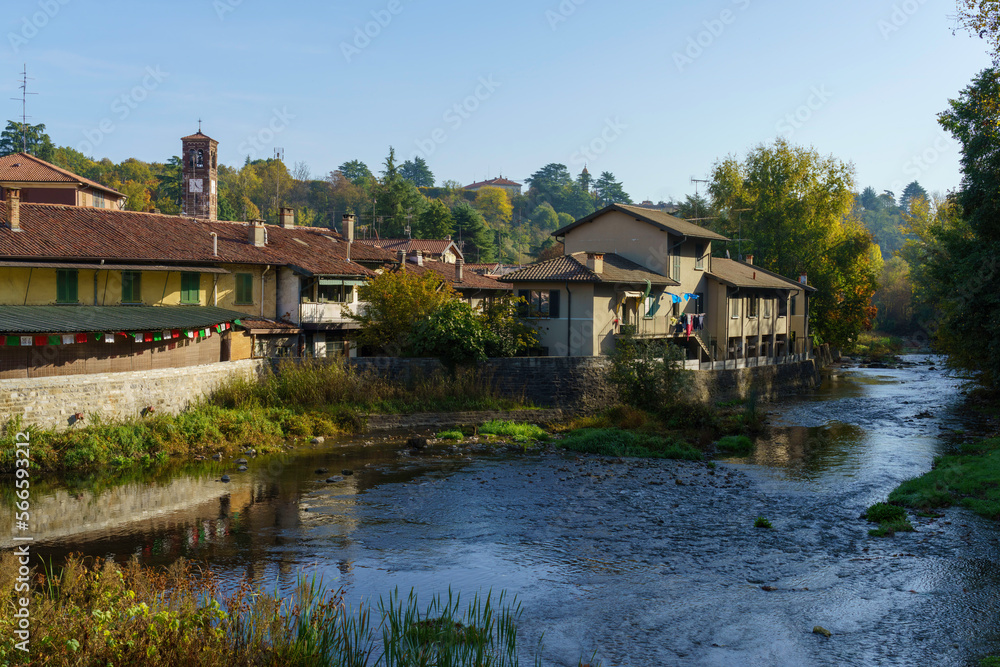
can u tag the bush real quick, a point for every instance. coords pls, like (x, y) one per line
(616, 442)
(739, 445)
(884, 512)
(450, 435)
(761, 522)
(647, 374)
(518, 432)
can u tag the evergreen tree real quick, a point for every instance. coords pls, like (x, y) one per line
(14, 137)
(417, 172)
(435, 221)
(610, 191)
(471, 234)
(356, 171)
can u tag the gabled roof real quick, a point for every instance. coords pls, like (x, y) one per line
(426, 246)
(496, 182)
(657, 218)
(198, 135)
(740, 274)
(446, 271)
(573, 268)
(25, 168)
(54, 232)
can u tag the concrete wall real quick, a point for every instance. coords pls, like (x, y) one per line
(51, 402)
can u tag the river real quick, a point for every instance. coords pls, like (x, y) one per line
(644, 562)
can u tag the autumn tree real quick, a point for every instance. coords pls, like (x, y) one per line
(798, 219)
(495, 206)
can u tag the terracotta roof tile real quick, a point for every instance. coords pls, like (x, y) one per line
(741, 274)
(52, 231)
(655, 217)
(573, 268)
(496, 182)
(197, 135)
(25, 168)
(432, 246)
(470, 279)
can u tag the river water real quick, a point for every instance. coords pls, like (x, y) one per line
(644, 562)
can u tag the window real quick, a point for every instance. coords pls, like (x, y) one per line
(677, 265)
(651, 307)
(766, 308)
(699, 256)
(334, 293)
(190, 287)
(539, 303)
(201, 159)
(66, 286)
(244, 288)
(782, 307)
(752, 306)
(734, 307)
(795, 298)
(131, 287)
(699, 305)
(99, 200)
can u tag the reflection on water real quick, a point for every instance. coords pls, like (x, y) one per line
(649, 562)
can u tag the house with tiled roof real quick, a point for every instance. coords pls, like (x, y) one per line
(443, 250)
(474, 288)
(39, 182)
(86, 289)
(510, 187)
(641, 272)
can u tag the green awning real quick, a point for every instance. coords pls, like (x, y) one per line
(111, 319)
(340, 281)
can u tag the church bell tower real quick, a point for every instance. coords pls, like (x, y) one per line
(199, 155)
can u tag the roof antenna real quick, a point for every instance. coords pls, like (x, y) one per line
(24, 106)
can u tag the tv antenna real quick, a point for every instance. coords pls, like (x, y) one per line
(740, 240)
(24, 106)
(279, 154)
(696, 181)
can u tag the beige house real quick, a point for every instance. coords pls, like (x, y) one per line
(628, 270)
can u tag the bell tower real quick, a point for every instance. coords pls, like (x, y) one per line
(200, 170)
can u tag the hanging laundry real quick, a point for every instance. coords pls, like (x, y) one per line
(675, 298)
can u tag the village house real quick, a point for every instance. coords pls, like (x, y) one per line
(442, 250)
(629, 270)
(510, 187)
(475, 289)
(89, 289)
(39, 182)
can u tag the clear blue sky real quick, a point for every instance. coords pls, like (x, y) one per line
(534, 82)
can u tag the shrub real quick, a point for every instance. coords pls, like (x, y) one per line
(616, 442)
(761, 522)
(647, 374)
(450, 435)
(739, 445)
(518, 432)
(884, 512)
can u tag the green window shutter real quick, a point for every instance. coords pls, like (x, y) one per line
(244, 288)
(190, 287)
(67, 286)
(131, 287)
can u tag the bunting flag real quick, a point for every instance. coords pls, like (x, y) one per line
(55, 340)
(157, 337)
(25, 341)
(137, 337)
(147, 337)
(41, 341)
(68, 339)
(238, 322)
(675, 298)
(109, 338)
(98, 337)
(3, 341)
(165, 335)
(13, 341)
(189, 333)
(175, 333)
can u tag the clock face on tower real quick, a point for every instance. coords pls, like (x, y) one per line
(194, 185)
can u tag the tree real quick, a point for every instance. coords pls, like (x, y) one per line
(138, 198)
(799, 220)
(356, 171)
(471, 233)
(544, 217)
(982, 18)
(869, 199)
(695, 207)
(894, 298)
(548, 183)
(610, 191)
(576, 201)
(397, 300)
(585, 180)
(507, 335)
(435, 221)
(16, 135)
(417, 172)
(911, 192)
(495, 206)
(453, 333)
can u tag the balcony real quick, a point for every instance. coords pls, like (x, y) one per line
(329, 313)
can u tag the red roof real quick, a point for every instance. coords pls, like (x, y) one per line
(471, 280)
(52, 231)
(496, 182)
(434, 247)
(197, 135)
(25, 168)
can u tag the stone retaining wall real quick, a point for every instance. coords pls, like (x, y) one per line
(52, 402)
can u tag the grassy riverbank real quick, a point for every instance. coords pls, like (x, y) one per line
(300, 400)
(98, 613)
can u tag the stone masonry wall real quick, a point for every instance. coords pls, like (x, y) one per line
(51, 402)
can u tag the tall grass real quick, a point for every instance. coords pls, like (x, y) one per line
(320, 385)
(874, 346)
(969, 477)
(100, 613)
(516, 431)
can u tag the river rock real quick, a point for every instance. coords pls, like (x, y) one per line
(224, 479)
(216, 457)
(318, 440)
(416, 442)
(322, 471)
(242, 469)
(820, 630)
(347, 472)
(241, 462)
(333, 480)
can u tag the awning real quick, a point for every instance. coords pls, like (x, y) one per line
(110, 319)
(633, 295)
(340, 281)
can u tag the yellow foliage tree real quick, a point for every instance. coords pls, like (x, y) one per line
(495, 206)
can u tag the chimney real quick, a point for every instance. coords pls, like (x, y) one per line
(595, 262)
(749, 259)
(420, 258)
(14, 209)
(803, 279)
(215, 244)
(459, 270)
(258, 234)
(347, 227)
(401, 258)
(287, 217)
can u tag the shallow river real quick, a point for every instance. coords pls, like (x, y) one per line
(646, 563)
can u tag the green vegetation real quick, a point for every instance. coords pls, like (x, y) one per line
(450, 435)
(617, 442)
(969, 477)
(761, 522)
(518, 432)
(891, 519)
(105, 614)
(873, 346)
(298, 400)
(648, 375)
(740, 445)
